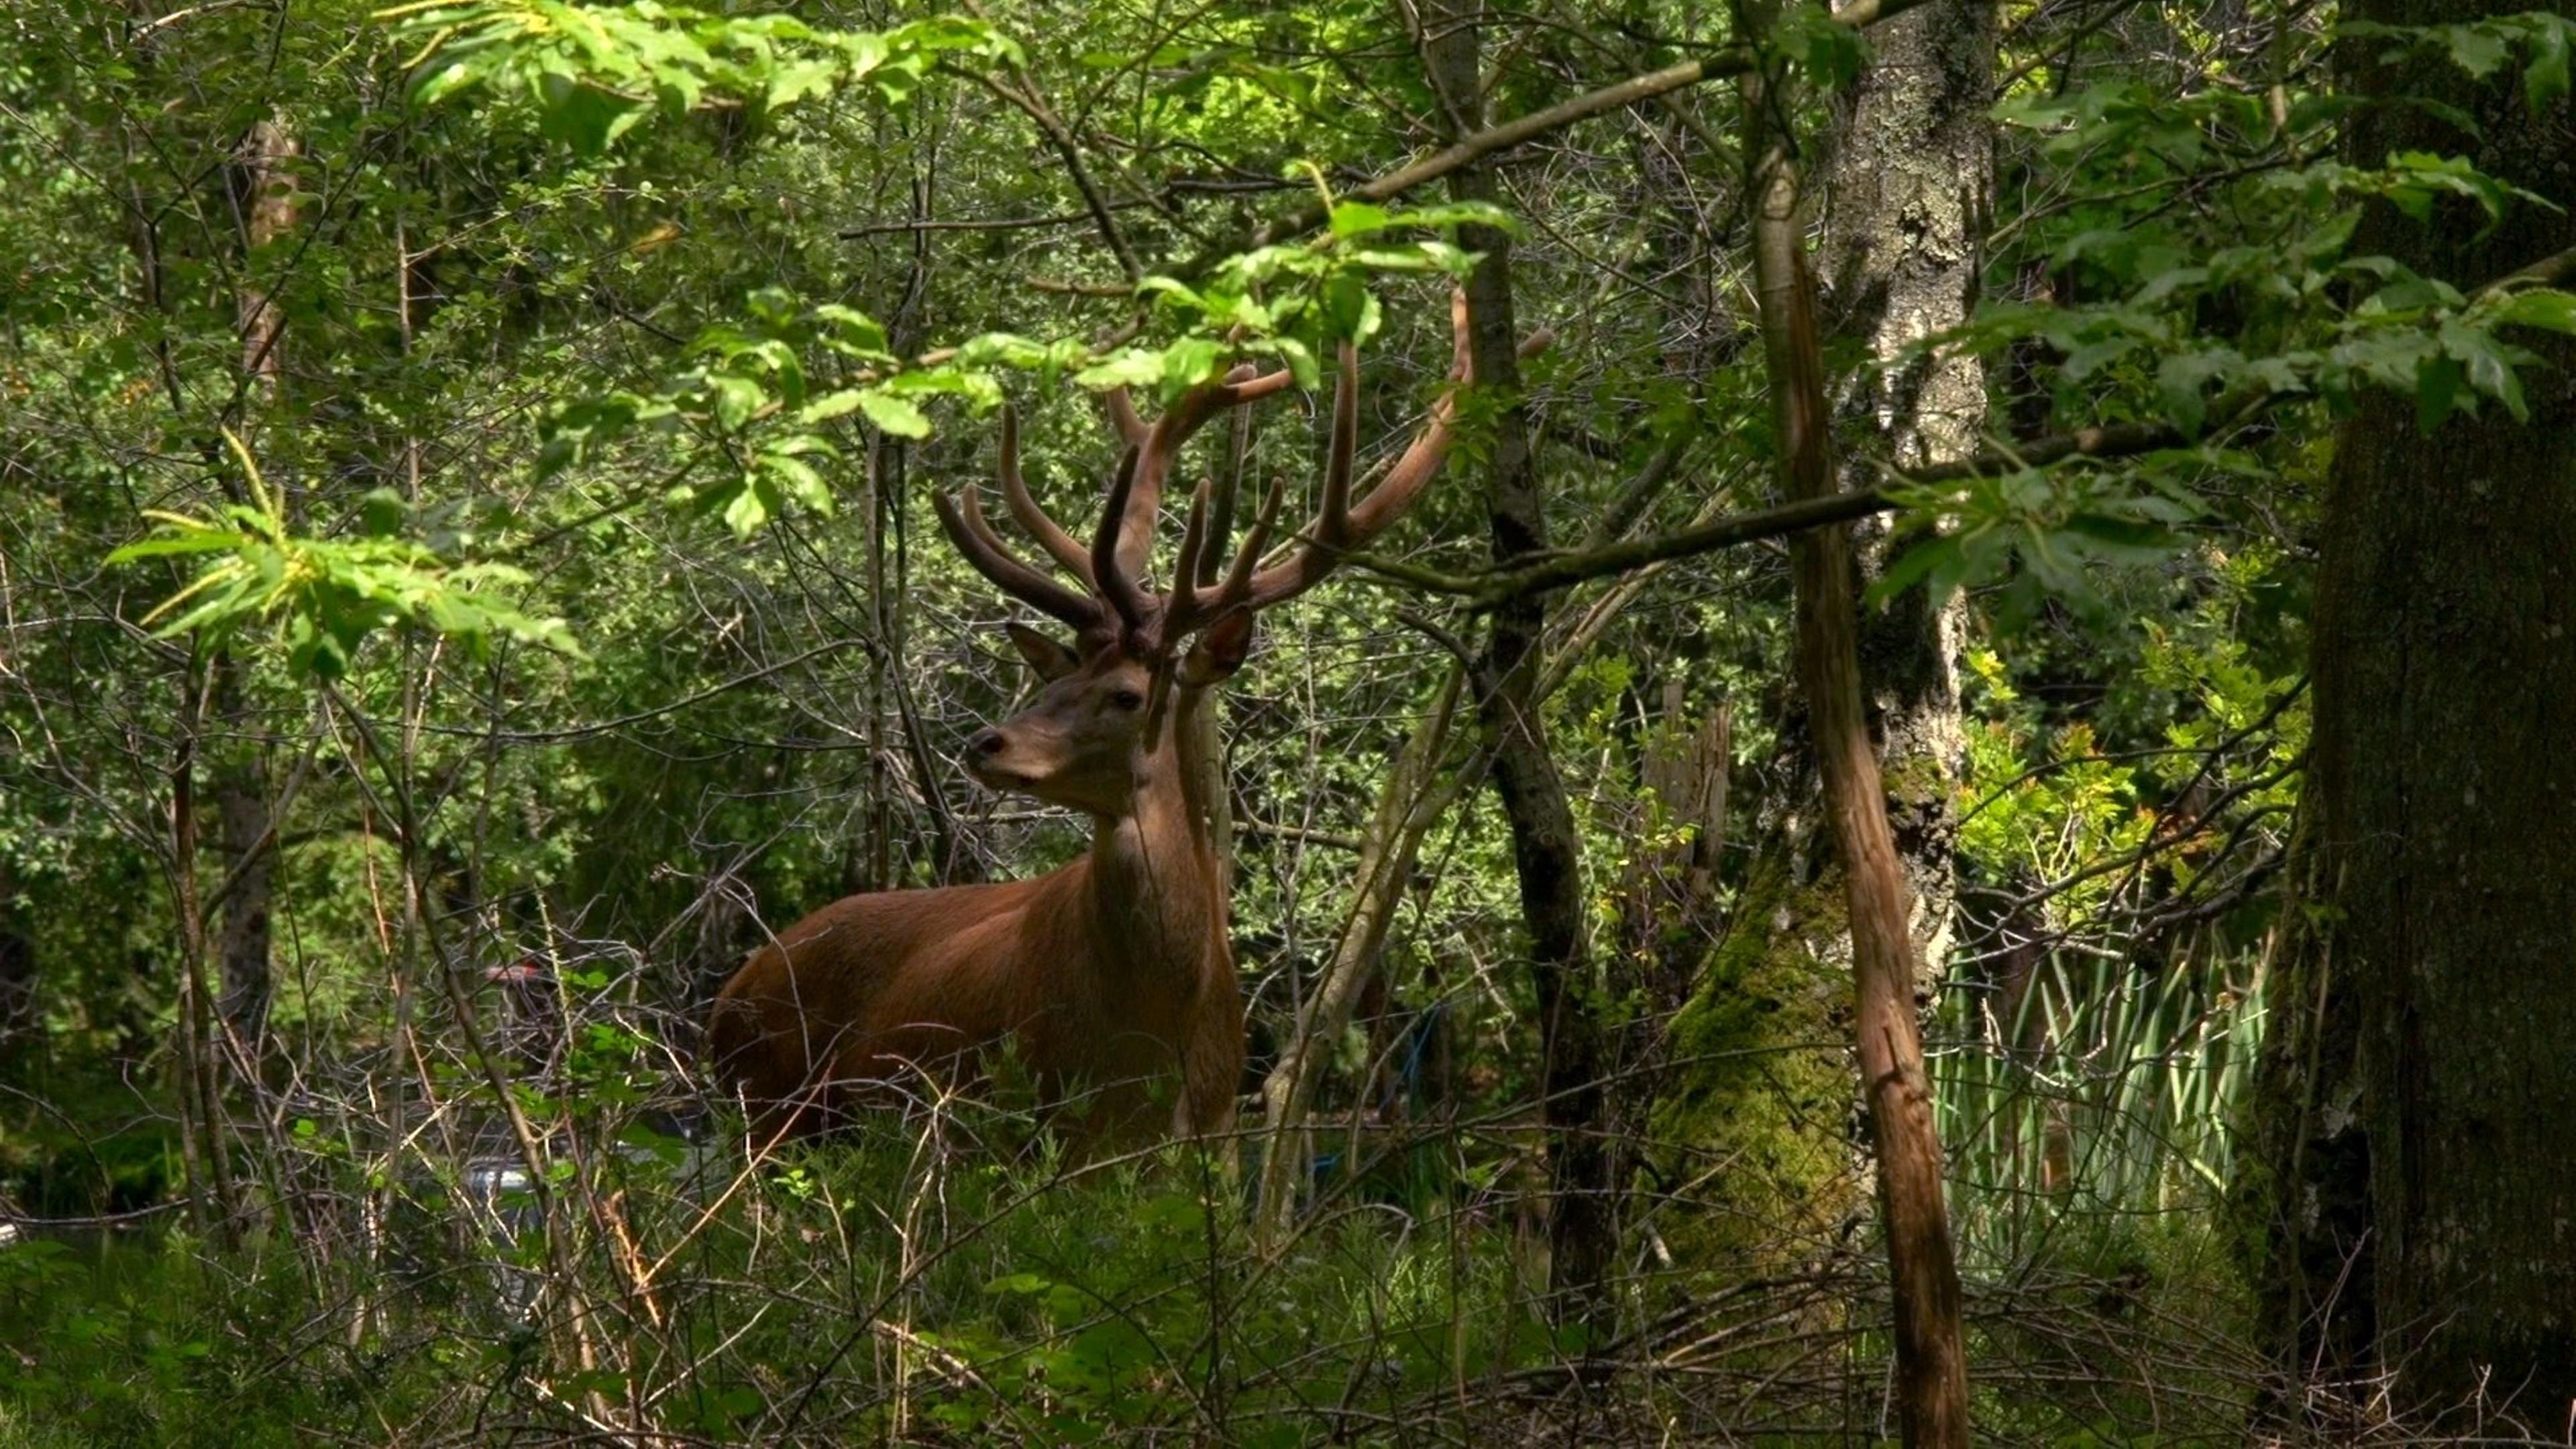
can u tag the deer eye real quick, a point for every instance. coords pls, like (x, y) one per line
(1128, 698)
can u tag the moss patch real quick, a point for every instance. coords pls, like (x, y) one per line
(1754, 1131)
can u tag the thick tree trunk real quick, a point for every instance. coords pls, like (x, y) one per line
(1931, 1355)
(2420, 1088)
(1905, 210)
(1545, 850)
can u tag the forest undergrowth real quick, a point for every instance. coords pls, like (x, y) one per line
(948, 1275)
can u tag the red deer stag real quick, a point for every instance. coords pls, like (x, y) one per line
(1116, 969)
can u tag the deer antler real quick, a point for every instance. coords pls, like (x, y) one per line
(1340, 526)
(1111, 569)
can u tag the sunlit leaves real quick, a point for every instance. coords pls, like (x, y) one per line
(747, 401)
(594, 72)
(1293, 303)
(325, 595)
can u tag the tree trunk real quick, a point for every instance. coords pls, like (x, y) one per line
(1905, 194)
(1931, 1357)
(17, 967)
(1546, 853)
(244, 841)
(1906, 201)
(246, 845)
(2418, 1090)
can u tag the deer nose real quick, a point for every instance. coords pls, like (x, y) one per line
(986, 743)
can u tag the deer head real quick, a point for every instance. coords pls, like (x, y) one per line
(1104, 715)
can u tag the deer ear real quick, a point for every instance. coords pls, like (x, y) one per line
(1220, 650)
(1050, 659)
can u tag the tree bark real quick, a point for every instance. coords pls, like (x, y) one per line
(2417, 1092)
(244, 840)
(1546, 854)
(1906, 203)
(1931, 1357)
(17, 967)
(246, 845)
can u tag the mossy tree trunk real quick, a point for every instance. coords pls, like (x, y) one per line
(1905, 197)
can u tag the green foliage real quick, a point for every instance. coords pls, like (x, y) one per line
(551, 267)
(2542, 39)
(326, 595)
(1292, 302)
(1830, 52)
(2044, 533)
(1018, 1303)
(2247, 302)
(2127, 1107)
(747, 401)
(593, 72)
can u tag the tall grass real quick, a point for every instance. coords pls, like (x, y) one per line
(2111, 1093)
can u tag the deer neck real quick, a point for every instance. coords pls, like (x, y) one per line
(1154, 883)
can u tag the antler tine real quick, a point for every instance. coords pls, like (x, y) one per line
(963, 519)
(1111, 580)
(1237, 586)
(1244, 383)
(1142, 504)
(1352, 525)
(1032, 519)
(1333, 518)
(1180, 612)
(1122, 417)
(1162, 444)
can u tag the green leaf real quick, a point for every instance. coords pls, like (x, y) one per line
(1462, 213)
(1829, 51)
(206, 541)
(2544, 76)
(798, 480)
(1173, 289)
(435, 83)
(2475, 49)
(1911, 567)
(736, 398)
(1350, 309)
(799, 80)
(894, 415)
(831, 405)
(1189, 362)
(747, 510)
(2550, 311)
(2121, 540)
(2490, 364)
(1127, 367)
(2437, 390)
(2182, 378)
(1358, 218)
